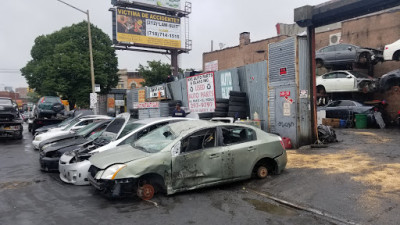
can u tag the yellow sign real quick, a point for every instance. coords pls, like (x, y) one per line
(146, 28)
(142, 95)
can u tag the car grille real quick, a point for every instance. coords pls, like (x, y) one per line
(93, 171)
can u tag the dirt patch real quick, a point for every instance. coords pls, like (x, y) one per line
(14, 185)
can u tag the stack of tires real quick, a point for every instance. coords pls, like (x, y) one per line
(238, 105)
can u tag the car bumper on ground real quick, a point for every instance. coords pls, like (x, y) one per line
(49, 164)
(113, 188)
(73, 173)
(281, 162)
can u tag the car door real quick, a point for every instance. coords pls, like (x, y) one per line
(241, 144)
(199, 160)
(345, 82)
(329, 82)
(345, 53)
(329, 54)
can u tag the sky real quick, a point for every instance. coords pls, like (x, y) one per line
(219, 20)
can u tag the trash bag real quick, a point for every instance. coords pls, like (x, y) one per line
(326, 134)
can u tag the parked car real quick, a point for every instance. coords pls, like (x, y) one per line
(51, 150)
(345, 81)
(10, 119)
(186, 156)
(73, 126)
(389, 80)
(346, 109)
(342, 54)
(392, 51)
(74, 165)
(49, 106)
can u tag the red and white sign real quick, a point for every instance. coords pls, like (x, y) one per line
(282, 71)
(290, 100)
(284, 93)
(201, 92)
(211, 66)
(146, 105)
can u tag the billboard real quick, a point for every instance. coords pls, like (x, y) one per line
(139, 27)
(201, 92)
(170, 4)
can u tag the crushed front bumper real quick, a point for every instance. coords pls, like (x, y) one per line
(112, 188)
(48, 164)
(73, 172)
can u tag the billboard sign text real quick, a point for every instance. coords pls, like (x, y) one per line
(201, 92)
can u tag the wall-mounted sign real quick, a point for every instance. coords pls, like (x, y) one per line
(282, 71)
(286, 109)
(201, 92)
(119, 102)
(139, 27)
(97, 87)
(303, 94)
(147, 105)
(211, 66)
(289, 100)
(284, 93)
(226, 84)
(142, 95)
(93, 100)
(157, 91)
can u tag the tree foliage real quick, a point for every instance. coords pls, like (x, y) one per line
(60, 63)
(154, 73)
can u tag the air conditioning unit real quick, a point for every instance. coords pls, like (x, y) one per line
(334, 39)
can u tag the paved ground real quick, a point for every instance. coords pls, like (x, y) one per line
(350, 180)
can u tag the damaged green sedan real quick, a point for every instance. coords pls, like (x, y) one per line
(187, 155)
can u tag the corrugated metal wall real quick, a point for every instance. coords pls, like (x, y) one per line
(282, 55)
(256, 82)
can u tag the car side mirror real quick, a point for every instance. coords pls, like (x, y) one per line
(175, 150)
(350, 48)
(349, 76)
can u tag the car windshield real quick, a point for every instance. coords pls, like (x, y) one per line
(86, 129)
(163, 135)
(5, 102)
(71, 124)
(65, 122)
(130, 127)
(51, 100)
(359, 75)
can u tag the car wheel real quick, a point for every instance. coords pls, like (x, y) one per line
(396, 56)
(146, 192)
(262, 172)
(319, 63)
(364, 58)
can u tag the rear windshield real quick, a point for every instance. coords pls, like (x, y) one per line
(50, 100)
(115, 125)
(359, 75)
(5, 102)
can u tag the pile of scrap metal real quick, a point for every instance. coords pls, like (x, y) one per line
(326, 134)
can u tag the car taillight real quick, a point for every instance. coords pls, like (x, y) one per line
(387, 48)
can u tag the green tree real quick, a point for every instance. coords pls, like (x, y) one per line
(155, 72)
(60, 64)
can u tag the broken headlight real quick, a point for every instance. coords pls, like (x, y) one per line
(112, 171)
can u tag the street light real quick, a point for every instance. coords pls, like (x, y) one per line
(90, 44)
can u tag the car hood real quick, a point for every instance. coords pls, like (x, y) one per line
(65, 137)
(65, 144)
(52, 134)
(122, 154)
(46, 128)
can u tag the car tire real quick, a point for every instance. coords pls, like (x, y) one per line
(237, 99)
(262, 172)
(237, 93)
(319, 63)
(238, 108)
(220, 114)
(222, 105)
(364, 58)
(396, 56)
(222, 100)
(206, 115)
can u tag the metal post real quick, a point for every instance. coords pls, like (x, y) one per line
(313, 94)
(90, 48)
(174, 62)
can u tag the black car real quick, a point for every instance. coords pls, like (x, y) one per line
(346, 54)
(389, 80)
(51, 150)
(346, 109)
(49, 106)
(10, 119)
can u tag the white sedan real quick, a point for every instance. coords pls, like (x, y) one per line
(345, 81)
(392, 51)
(74, 125)
(74, 166)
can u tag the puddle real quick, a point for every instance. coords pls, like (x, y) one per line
(14, 185)
(270, 208)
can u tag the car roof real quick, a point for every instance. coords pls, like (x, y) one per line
(160, 119)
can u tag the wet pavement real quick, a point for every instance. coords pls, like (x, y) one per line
(313, 181)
